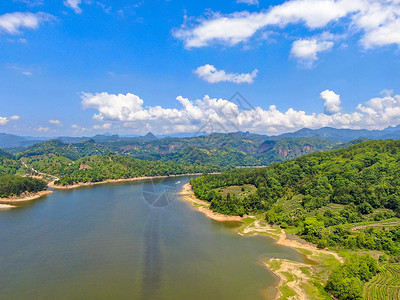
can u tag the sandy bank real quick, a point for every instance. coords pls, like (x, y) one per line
(26, 197)
(6, 206)
(203, 206)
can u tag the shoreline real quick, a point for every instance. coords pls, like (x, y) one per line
(291, 274)
(28, 197)
(82, 184)
(203, 206)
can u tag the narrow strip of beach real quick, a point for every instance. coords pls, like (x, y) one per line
(25, 197)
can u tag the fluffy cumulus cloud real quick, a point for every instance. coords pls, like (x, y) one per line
(377, 22)
(210, 74)
(74, 4)
(306, 50)
(225, 115)
(13, 23)
(331, 102)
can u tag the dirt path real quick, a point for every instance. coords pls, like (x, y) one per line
(41, 174)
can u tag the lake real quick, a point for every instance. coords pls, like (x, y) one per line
(113, 241)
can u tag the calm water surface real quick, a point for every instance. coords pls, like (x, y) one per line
(107, 242)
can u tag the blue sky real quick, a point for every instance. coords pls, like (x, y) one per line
(85, 67)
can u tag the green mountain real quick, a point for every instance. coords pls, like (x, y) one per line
(58, 148)
(214, 152)
(337, 198)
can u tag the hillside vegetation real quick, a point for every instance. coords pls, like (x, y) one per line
(344, 199)
(321, 194)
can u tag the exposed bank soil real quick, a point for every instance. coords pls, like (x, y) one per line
(290, 274)
(6, 206)
(25, 197)
(281, 237)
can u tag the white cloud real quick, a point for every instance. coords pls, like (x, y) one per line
(12, 23)
(55, 122)
(103, 126)
(240, 26)
(376, 113)
(331, 102)
(74, 4)
(376, 21)
(306, 50)
(78, 128)
(3, 120)
(43, 129)
(210, 74)
(248, 2)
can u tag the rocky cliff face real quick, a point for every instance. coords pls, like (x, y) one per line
(296, 151)
(292, 148)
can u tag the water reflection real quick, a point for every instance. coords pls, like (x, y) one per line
(153, 260)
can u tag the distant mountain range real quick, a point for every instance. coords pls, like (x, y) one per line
(343, 135)
(326, 133)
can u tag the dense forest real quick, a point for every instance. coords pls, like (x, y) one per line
(11, 185)
(347, 281)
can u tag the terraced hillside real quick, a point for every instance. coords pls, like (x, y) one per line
(385, 285)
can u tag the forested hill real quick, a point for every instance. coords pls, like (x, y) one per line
(218, 149)
(322, 196)
(58, 148)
